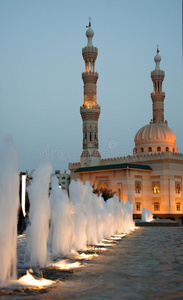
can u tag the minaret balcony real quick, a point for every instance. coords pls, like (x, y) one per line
(96, 144)
(90, 51)
(90, 77)
(90, 113)
(90, 73)
(157, 75)
(157, 96)
(93, 108)
(85, 144)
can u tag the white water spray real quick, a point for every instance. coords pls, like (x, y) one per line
(147, 215)
(37, 232)
(91, 227)
(79, 221)
(9, 203)
(77, 193)
(62, 220)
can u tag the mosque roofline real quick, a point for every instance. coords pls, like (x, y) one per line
(113, 167)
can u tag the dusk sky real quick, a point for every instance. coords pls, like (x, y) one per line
(41, 89)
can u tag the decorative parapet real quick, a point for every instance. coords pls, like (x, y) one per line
(90, 73)
(90, 113)
(74, 166)
(116, 160)
(90, 48)
(138, 158)
(94, 107)
(142, 157)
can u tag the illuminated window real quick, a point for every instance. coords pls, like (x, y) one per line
(158, 149)
(138, 206)
(89, 105)
(178, 206)
(156, 187)
(177, 187)
(150, 149)
(167, 148)
(138, 187)
(156, 206)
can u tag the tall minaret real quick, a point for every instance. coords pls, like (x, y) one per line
(90, 111)
(158, 96)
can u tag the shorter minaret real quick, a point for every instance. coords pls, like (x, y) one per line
(156, 136)
(90, 111)
(158, 96)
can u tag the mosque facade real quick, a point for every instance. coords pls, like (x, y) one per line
(152, 176)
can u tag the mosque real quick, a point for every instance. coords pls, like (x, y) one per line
(152, 176)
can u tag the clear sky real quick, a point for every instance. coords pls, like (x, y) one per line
(41, 62)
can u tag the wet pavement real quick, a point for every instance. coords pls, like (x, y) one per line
(146, 264)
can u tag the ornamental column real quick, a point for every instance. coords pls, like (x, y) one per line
(158, 96)
(90, 110)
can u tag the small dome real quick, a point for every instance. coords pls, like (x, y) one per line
(155, 135)
(89, 33)
(157, 58)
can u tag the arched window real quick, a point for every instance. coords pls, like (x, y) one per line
(138, 206)
(155, 187)
(142, 149)
(150, 149)
(178, 206)
(173, 150)
(177, 187)
(138, 187)
(156, 206)
(167, 148)
(90, 136)
(158, 149)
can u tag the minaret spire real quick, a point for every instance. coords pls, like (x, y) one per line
(89, 22)
(158, 96)
(90, 110)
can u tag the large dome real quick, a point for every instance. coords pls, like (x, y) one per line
(155, 137)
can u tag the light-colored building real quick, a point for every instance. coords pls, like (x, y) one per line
(63, 179)
(152, 176)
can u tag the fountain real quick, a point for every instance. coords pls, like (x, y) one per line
(62, 220)
(147, 215)
(84, 219)
(99, 206)
(77, 193)
(39, 215)
(91, 228)
(127, 220)
(9, 203)
(60, 225)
